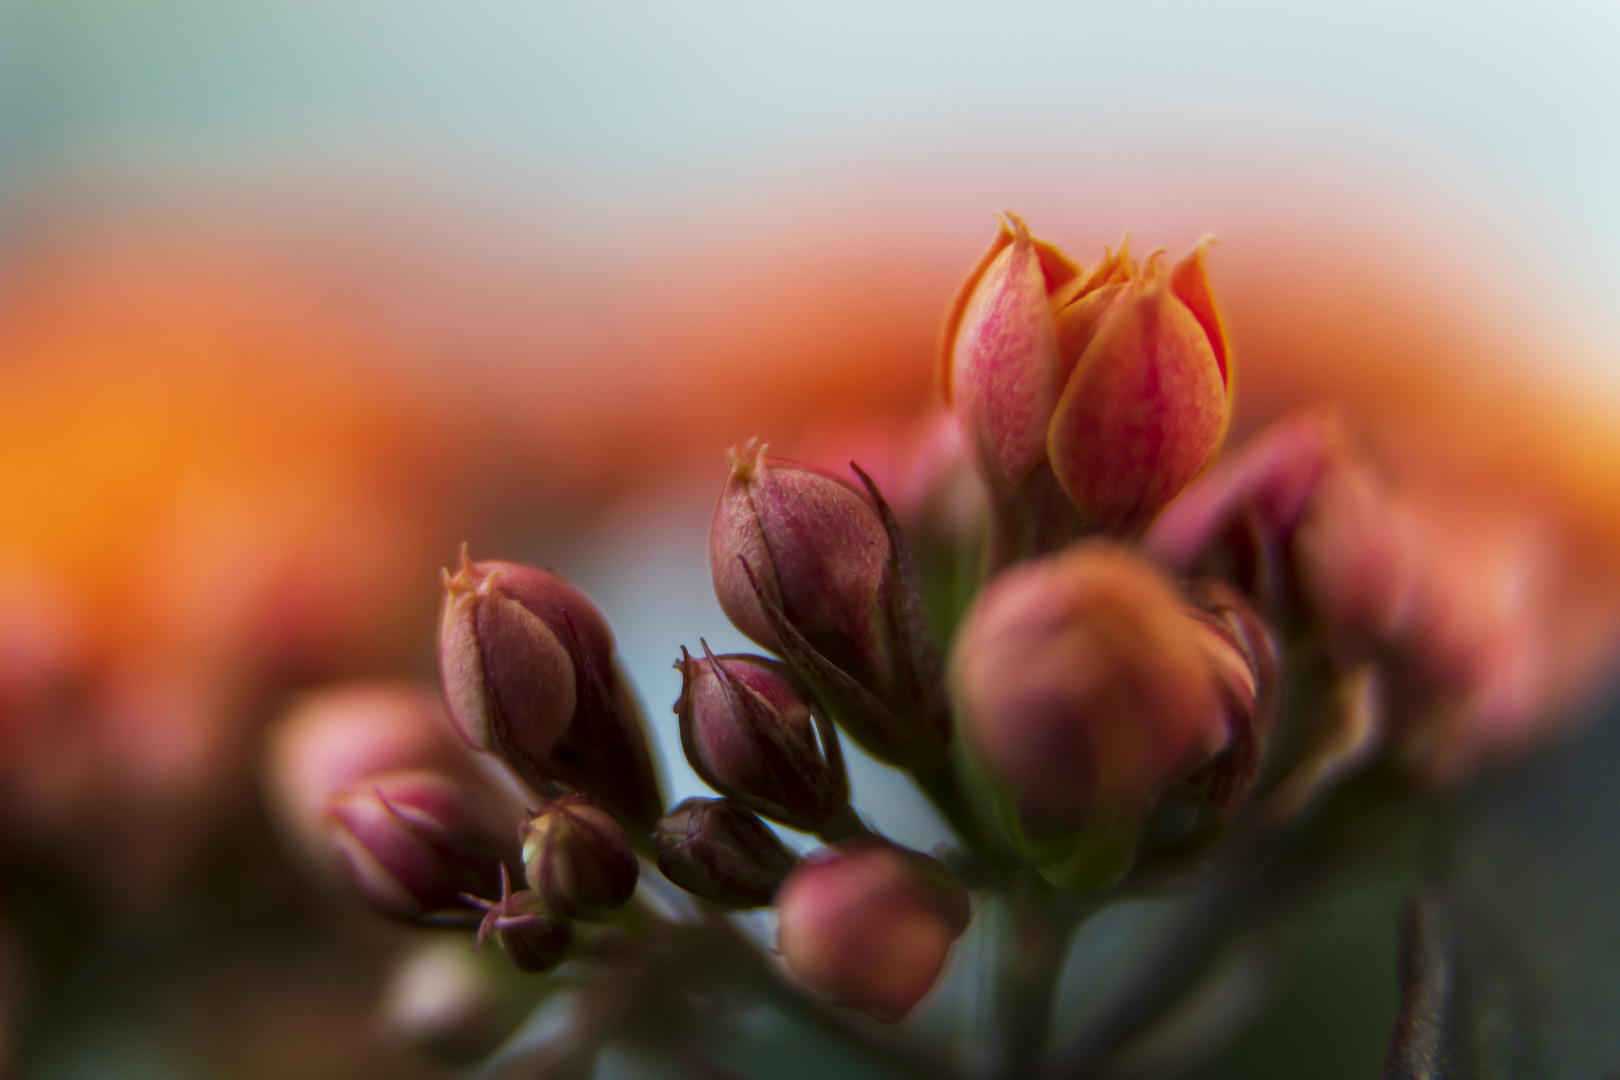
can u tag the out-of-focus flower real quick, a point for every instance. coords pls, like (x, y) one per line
(1244, 662)
(809, 568)
(577, 858)
(748, 732)
(451, 1004)
(1091, 396)
(716, 849)
(871, 926)
(1082, 686)
(334, 738)
(415, 841)
(530, 672)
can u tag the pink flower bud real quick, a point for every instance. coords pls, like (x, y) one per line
(817, 548)
(577, 858)
(1081, 686)
(530, 675)
(415, 841)
(871, 926)
(749, 733)
(1243, 660)
(1296, 520)
(1112, 384)
(812, 569)
(715, 849)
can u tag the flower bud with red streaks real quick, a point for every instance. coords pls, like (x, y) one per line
(531, 675)
(415, 841)
(715, 849)
(871, 926)
(1082, 688)
(749, 733)
(577, 858)
(1091, 396)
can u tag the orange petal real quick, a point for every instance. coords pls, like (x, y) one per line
(1190, 282)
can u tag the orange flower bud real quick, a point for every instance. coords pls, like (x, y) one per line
(577, 858)
(748, 732)
(1112, 384)
(530, 674)
(715, 849)
(871, 926)
(1082, 687)
(415, 841)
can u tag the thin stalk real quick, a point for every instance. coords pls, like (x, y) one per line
(1040, 927)
(940, 784)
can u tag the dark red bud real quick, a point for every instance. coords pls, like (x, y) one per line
(748, 731)
(715, 849)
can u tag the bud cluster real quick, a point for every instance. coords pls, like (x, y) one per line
(1113, 691)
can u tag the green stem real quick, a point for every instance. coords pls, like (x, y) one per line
(844, 825)
(1029, 964)
(939, 782)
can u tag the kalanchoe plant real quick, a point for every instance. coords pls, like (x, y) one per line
(1168, 678)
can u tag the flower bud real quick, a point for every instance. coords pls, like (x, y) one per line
(1243, 660)
(1298, 522)
(415, 841)
(1111, 383)
(535, 943)
(715, 849)
(810, 568)
(816, 547)
(871, 926)
(749, 733)
(1081, 686)
(449, 1005)
(577, 858)
(530, 675)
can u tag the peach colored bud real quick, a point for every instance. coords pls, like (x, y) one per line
(715, 849)
(818, 572)
(577, 858)
(1081, 686)
(530, 674)
(414, 842)
(748, 732)
(871, 926)
(1111, 384)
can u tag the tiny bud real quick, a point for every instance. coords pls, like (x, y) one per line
(1081, 687)
(577, 858)
(414, 842)
(715, 849)
(748, 732)
(1110, 383)
(871, 926)
(535, 943)
(530, 674)
(449, 1005)
(1243, 660)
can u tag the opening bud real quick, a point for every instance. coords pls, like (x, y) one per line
(577, 858)
(1082, 687)
(414, 841)
(749, 733)
(715, 849)
(1092, 396)
(530, 674)
(871, 926)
